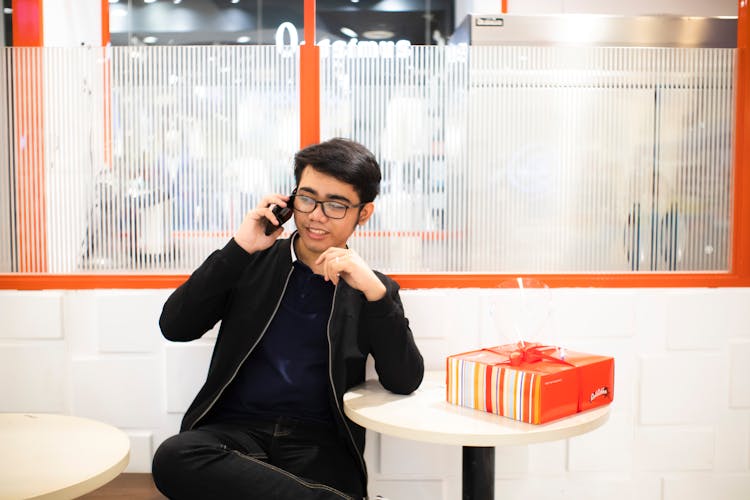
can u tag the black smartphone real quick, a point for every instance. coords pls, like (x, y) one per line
(283, 214)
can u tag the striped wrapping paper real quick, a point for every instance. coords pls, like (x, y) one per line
(534, 392)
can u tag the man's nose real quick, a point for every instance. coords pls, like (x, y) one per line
(317, 213)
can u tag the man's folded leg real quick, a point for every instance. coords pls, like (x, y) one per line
(224, 461)
(315, 452)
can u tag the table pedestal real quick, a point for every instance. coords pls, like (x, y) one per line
(426, 416)
(478, 473)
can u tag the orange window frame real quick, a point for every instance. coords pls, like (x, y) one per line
(738, 276)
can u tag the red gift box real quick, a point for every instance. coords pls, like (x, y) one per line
(530, 382)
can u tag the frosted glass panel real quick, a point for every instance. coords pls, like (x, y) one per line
(141, 159)
(199, 135)
(409, 106)
(541, 159)
(599, 159)
(495, 159)
(7, 177)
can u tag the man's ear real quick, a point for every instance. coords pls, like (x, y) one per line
(366, 212)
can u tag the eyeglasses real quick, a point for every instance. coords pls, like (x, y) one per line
(331, 209)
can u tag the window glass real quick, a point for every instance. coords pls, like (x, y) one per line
(495, 159)
(226, 22)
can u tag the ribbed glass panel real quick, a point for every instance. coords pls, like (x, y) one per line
(495, 159)
(25, 207)
(75, 135)
(409, 106)
(140, 159)
(599, 159)
(8, 243)
(199, 135)
(540, 159)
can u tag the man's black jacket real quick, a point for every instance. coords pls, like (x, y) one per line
(244, 290)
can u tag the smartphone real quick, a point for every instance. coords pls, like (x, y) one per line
(283, 214)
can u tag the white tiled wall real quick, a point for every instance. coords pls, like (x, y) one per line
(679, 427)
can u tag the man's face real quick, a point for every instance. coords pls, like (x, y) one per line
(317, 231)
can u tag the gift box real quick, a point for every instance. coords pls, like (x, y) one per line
(530, 382)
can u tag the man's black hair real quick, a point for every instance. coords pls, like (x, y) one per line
(345, 160)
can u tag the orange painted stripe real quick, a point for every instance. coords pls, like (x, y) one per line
(501, 393)
(201, 234)
(492, 389)
(28, 26)
(28, 99)
(537, 399)
(448, 379)
(29, 173)
(309, 21)
(452, 381)
(514, 397)
(527, 397)
(504, 6)
(107, 84)
(522, 410)
(521, 401)
(741, 220)
(650, 280)
(499, 379)
(309, 87)
(477, 382)
(488, 388)
(457, 381)
(424, 235)
(22, 281)
(105, 22)
(41, 281)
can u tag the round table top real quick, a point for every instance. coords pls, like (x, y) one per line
(425, 415)
(58, 456)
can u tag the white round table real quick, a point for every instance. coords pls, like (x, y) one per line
(425, 415)
(50, 456)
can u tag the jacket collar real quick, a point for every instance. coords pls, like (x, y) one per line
(292, 238)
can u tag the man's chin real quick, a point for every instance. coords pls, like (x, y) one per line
(318, 244)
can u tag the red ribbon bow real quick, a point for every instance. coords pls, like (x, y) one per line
(526, 352)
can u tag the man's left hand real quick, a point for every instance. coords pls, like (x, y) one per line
(346, 264)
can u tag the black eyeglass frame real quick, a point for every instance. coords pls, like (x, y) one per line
(322, 205)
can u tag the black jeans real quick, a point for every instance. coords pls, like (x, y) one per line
(282, 459)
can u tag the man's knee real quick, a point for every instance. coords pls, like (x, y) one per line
(166, 465)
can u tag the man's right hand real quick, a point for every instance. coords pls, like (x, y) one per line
(251, 235)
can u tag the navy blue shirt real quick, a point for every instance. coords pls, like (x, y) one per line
(287, 372)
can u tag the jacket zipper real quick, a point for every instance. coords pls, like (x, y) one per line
(265, 328)
(333, 388)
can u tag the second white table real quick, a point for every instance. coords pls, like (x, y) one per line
(426, 416)
(46, 456)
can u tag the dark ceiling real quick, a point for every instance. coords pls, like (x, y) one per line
(202, 22)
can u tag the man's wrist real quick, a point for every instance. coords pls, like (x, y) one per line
(376, 292)
(245, 245)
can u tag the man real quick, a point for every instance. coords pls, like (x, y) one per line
(299, 317)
